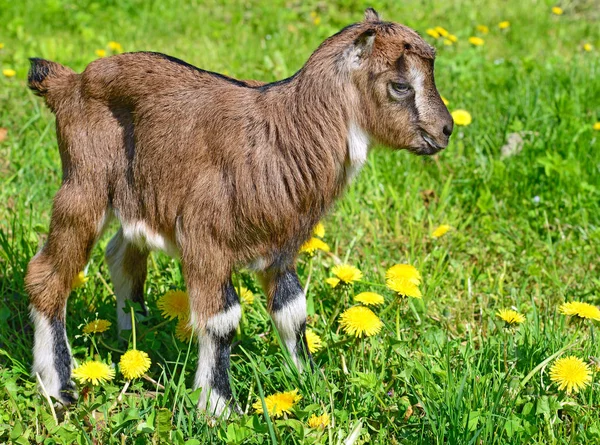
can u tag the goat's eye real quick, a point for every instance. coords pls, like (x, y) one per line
(399, 89)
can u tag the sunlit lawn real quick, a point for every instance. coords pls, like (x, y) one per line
(519, 186)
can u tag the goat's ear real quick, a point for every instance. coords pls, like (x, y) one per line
(362, 47)
(371, 15)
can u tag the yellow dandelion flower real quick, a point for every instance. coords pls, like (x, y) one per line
(462, 117)
(404, 271)
(134, 364)
(332, 281)
(446, 101)
(476, 41)
(510, 316)
(581, 310)
(448, 42)
(184, 330)
(404, 287)
(359, 321)
(587, 47)
(570, 373)
(319, 230)
(452, 38)
(369, 298)
(246, 295)
(9, 72)
(318, 422)
(433, 33)
(1, 45)
(94, 372)
(314, 341)
(279, 403)
(557, 10)
(441, 231)
(504, 25)
(96, 327)
(596, 126)
(346, 273)
(174, 304)
(115, 46)
(101, 52)
(317, 20)
(312, 245)
(483, 29)
(441, 31)
(79, 280)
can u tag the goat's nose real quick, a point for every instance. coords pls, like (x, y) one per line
(448, 130)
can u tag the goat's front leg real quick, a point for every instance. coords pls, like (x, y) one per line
(287, 305)
(215, 315)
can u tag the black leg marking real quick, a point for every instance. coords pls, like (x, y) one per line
(288, 309)
(62, 360)
(214, 354)
(287, 289)
(230, 295)
(220, 373)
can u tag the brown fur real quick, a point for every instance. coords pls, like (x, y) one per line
(228, 171)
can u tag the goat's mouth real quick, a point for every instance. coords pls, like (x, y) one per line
(431, 146)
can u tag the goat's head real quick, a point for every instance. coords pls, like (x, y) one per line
(391, 67)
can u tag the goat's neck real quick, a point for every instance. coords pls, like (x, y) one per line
(327, 145)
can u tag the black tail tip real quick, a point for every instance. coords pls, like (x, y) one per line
(38, 72)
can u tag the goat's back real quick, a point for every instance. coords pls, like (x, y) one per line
(134, 76)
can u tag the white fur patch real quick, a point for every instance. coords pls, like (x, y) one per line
(103, 222)
(115, 253)
(358, 148)
(43, 354)
(417, 79)
(288, 320)
(139, 234)
(225, 322)
(258, 264)
(207, 359)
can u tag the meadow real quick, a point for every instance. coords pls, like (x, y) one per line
(519, 188)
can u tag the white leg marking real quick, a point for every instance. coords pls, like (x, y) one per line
(358, 147)
(43, 354)
(288, 320)
(225, 322)
(220, 325)
(207, 358)
(115, 253)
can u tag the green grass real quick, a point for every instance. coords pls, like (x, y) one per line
(443, 369)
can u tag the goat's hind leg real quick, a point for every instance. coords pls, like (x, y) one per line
(76, 217)
(287, 305)
(127, 264)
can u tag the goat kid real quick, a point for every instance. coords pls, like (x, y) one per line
(220, 173)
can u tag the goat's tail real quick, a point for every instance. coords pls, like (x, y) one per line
(48, 79)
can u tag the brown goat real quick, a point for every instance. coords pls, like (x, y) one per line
(220, 173)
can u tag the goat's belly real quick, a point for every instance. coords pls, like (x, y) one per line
(139, 234)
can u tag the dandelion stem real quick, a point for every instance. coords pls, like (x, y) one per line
(110, 347)
(397, 322)
(545, 362)
(158, 326)
(47, 397)
(133, 326)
